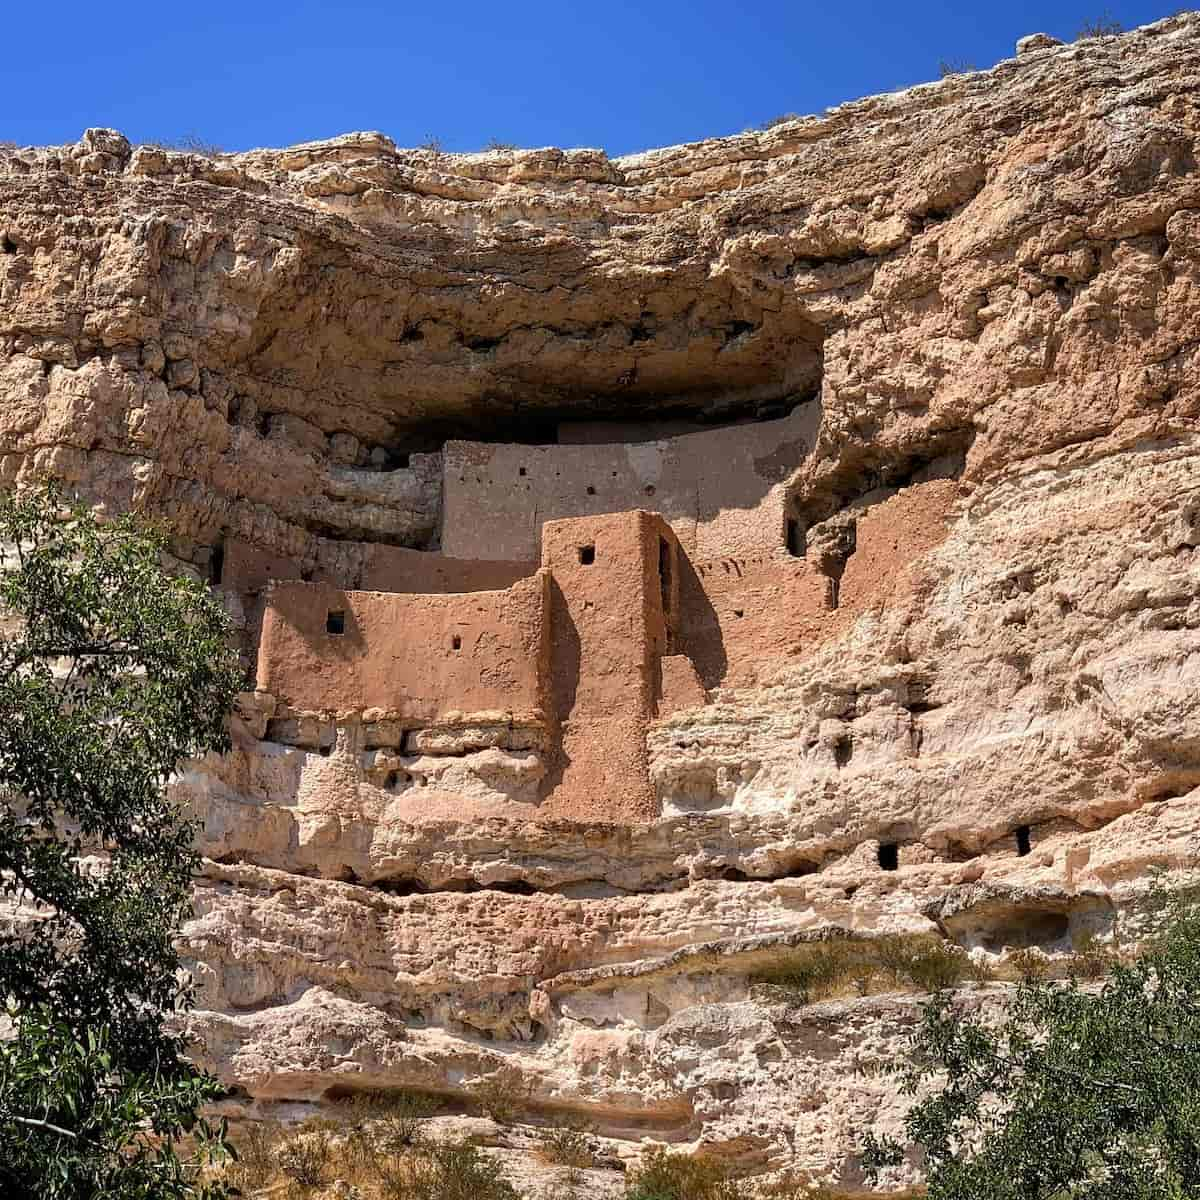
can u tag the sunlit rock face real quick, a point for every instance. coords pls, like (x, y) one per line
(704, 551)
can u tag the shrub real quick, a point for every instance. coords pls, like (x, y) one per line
(662, 1175)
(1103, 25)
(814, 970)
(817, 970)
(255, 1148)
(191, 144)
(447, 1171)
(494, 144)
(305, 1156)
(925, 962)
(502, 1094)
(1091, 959)
(1028, 965)
(955, 66)
(391, 1121)
(566, 1146)
(790, 1187)
(782, 119)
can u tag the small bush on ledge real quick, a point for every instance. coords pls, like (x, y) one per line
(820, 970)
(664, 1175)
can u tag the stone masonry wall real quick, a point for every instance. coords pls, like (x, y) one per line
(722, 490)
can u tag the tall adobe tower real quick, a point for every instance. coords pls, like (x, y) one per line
(614, 604)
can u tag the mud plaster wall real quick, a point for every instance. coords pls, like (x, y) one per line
(892, 537)
(741, 614)
(396, 569)
(416, 657)
(609, 630)
(721, 490)
(369, 567)
(737, 611)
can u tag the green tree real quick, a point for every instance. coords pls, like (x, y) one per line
(112, 672)
(1070, 1091)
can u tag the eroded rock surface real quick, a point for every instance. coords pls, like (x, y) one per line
(937, 595)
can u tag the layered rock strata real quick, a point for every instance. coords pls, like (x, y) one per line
(914, 387)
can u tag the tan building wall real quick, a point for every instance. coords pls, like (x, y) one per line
(396, 569)
(722, 490)
(420, 658)
(736, 611)
(370, 567)
(614, 603)
(741, 615)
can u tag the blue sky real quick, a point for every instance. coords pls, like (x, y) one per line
(618, 74)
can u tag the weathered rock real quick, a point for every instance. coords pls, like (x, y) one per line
(1036, 41)
(974, 302)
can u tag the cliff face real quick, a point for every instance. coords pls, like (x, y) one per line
(940, 546)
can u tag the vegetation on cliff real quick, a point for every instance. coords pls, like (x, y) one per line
(1075, 1090)
(111, 673)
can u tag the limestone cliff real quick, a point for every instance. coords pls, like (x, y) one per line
(914, 385)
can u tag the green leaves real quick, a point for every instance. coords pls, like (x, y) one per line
(1068, 1091)
(112, 672)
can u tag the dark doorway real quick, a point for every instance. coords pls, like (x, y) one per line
(796, 539)
(664, 573)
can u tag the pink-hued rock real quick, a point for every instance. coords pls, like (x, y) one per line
(914, 385)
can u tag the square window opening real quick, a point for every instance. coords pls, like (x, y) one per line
(335, 622)
(587, 555)
(889, 856)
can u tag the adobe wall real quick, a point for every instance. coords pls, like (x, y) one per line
(739, 614)
(612, 620)
(739, 611)
(618, 628)
(419, 658)
(396, 569)
(370, 567)
(722, 490)
(891, 537)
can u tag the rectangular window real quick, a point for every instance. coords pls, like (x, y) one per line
(587, 555)
(664, 572)
(796, 540)
(335, 622)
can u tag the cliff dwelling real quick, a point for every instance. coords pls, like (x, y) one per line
(650, 572)
(574, 613)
